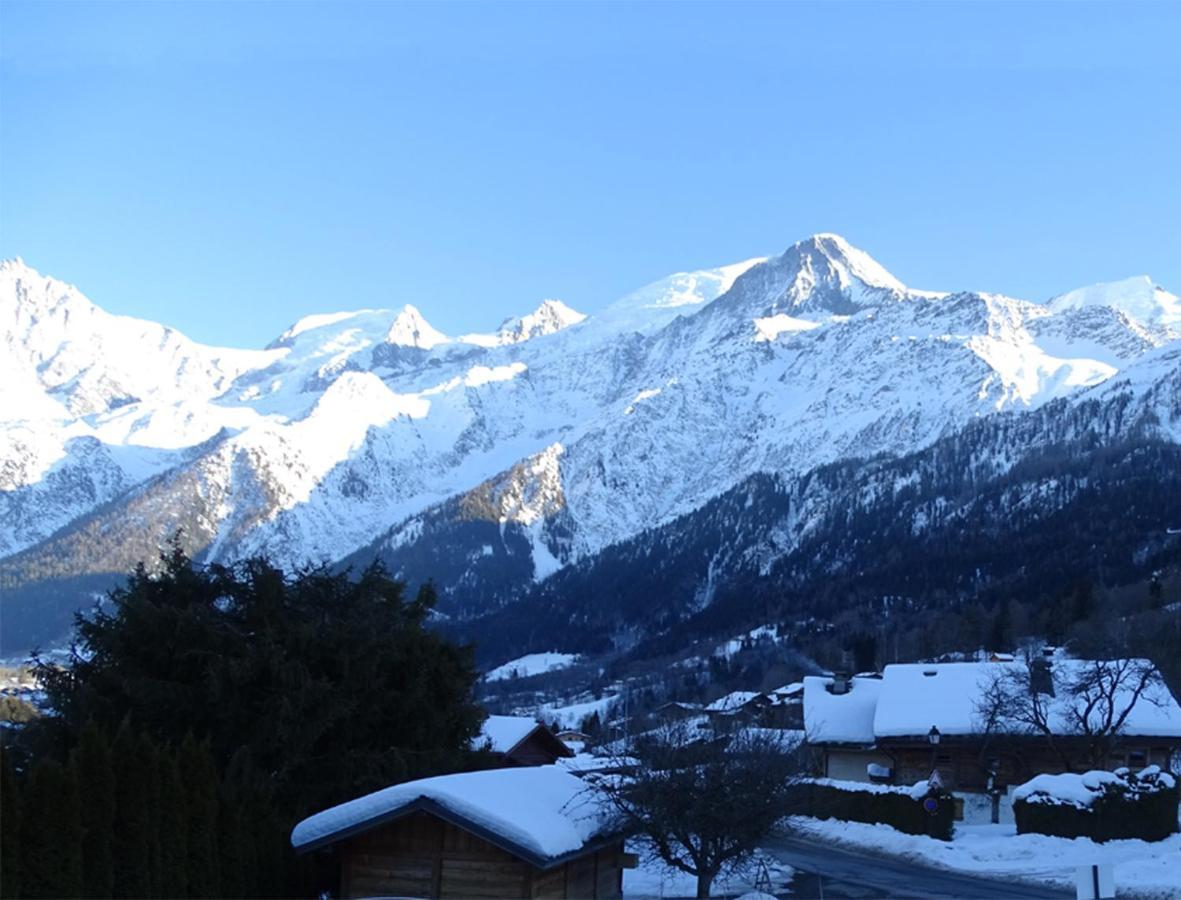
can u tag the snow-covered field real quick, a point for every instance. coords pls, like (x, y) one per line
(532, 664)
(1142, 869)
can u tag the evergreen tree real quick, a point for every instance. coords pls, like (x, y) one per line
(67, 824)
(149, 755)
(51, 833)
(96, 779)
(201, 803)
(10, 829)
(331, 681)
(236, 849)
(174, 826)
(131, 838)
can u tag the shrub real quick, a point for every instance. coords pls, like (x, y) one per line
(902, 808)
(1103, 806)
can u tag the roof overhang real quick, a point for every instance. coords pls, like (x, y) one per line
(431, 807)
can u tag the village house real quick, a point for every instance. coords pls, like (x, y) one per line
(778, 708)
(676, 710)
(499, 833)
(520, 741)
(913, 719)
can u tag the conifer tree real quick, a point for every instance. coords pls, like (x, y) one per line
(149, 755)
(131, 840)
(10, 828)
(51, 834)
(174, 826)
(236, 849)
(67, 824)
(201, 795)
(96, 782)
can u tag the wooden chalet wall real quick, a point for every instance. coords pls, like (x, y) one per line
(963, 763)
(423, 856)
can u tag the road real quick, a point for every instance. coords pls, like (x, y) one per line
(837, 872)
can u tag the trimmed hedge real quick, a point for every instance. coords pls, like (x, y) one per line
(1125, 806)
(900, 808)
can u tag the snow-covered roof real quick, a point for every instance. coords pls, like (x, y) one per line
(733, 701)
(504, 732)
(840, 718)
(917, 696)
(795, 690)
(913, 701)
(540, 813)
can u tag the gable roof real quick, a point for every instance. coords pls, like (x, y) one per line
(912, 700)
(541, 814)
(504, 732)
(733, 701)
(907, 701)
(840, 718)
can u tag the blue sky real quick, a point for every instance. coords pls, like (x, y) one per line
(229, 167)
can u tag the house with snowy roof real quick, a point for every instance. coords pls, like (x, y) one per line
(915, 718)
(517, 832)
(520, 741)
(778, 708)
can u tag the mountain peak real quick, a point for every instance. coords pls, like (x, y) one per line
(550, 316)
(410, 329)
(822, 274)
(829, 256)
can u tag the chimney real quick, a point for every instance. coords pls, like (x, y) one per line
(840, 683)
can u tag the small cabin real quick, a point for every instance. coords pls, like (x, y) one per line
(520, 741)
(500, 833)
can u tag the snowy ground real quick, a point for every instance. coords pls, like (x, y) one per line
(1142, 869)
(654, 879)
(532, 664)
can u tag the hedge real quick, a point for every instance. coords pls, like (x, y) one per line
(1102, 806)
(899, 807)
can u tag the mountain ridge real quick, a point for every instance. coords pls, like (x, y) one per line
(565, 433)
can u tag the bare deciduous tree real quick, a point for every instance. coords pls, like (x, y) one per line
(1079, 707)
(702, 799)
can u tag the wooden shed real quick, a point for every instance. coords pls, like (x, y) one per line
(502, 833)
(520, 741)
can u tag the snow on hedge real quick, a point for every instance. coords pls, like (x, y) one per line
(1083, 790)
(1077, 790)
(542, 809)
(532, 664)
(916, 791)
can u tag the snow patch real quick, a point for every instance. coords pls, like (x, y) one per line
(532, 664)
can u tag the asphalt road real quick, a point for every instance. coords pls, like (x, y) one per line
(836, 872)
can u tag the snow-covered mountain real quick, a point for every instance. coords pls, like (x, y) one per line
(371, 432)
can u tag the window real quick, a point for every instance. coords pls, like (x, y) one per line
(1137, 759)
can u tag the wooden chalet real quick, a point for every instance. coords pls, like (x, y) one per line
(520, 741)
(913, 719)
(501, 833)
(676, 711)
